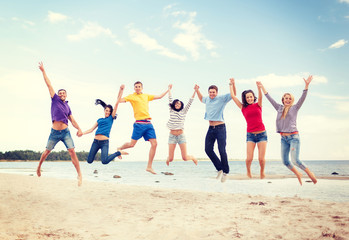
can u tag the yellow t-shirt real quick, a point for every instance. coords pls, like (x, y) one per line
(140, 105)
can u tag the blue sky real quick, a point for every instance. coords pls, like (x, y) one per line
(90, 48)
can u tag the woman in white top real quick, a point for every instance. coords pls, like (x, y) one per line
(176, 125)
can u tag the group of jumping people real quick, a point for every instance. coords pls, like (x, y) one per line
(251, 108)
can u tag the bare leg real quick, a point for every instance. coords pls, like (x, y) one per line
(262, 146)
(249, 157)
(185, 156)
(311, 175)
(42, 159)
(171, 149)
(298, 174)
(75, 161)
(128, 145)
(152, 152)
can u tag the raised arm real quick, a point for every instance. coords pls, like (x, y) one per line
(47, 80)
(267, 95)
(260, 95)
(75, 124)
(305, 91)
(170, 95)
(307, 82)
(164, 93)
(187, 106)
(194, 91)
(198, 92)
(260, 85)
(233, 93)
(90, 130)
(121, 90)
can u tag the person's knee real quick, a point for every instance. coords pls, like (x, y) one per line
(131, 144)
(46, 153)
(208, 151)
(71, 150)
(261, 159)
(154, 144)
(104, 162)
(249, 159)
(72, 153)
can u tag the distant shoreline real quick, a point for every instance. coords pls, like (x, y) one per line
(157, 160)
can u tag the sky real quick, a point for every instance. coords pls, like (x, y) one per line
(90, 48)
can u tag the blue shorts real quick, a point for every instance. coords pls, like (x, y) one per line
(59, 135)
(173, 139)
(256, 138)
(145, 130)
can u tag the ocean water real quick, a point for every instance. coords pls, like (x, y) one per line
(188, 176)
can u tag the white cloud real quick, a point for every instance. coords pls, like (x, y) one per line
(25, 23)
(344, 1)
(150, 44)
(92, 30)
(342, 106)
(191, 39)
(56, 17)
(338, 44)
(168, 7)
(275, 81)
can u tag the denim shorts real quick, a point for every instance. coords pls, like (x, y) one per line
(173, 139)
(145, 130)
(256, 138)
(59, 135)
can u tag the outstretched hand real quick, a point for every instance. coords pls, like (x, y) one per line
(169, 86)
(308, 80)
(41, 67)
(259, 84)
(232, 81)
(122, 87)
(196, 87)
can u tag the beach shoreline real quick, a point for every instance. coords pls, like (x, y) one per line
(49, 208)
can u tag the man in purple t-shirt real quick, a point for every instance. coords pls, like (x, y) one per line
(60, 113)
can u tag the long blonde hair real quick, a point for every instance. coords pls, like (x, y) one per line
(285, 111)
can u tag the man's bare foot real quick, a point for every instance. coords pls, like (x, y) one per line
(312, 177)
(122, 153)
(150, 170)
(262, 175)
(168, 162)
(195, 160)
(249, 174)
(38, 172)
(299, 176)
(79, 180)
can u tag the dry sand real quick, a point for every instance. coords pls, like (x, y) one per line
(48, 208)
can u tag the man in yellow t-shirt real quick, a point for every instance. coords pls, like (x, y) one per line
(143, 126)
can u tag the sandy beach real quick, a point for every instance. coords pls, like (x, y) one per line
(49, 208)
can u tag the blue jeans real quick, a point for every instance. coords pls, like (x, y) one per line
(256, 138)
(291, 143)
(104, 145)
(217, 133)
(59, 135)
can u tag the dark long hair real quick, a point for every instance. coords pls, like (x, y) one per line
(243, 97)
(104, 105)
(172, 105)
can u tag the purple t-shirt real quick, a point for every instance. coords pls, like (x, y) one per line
(60, 110)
